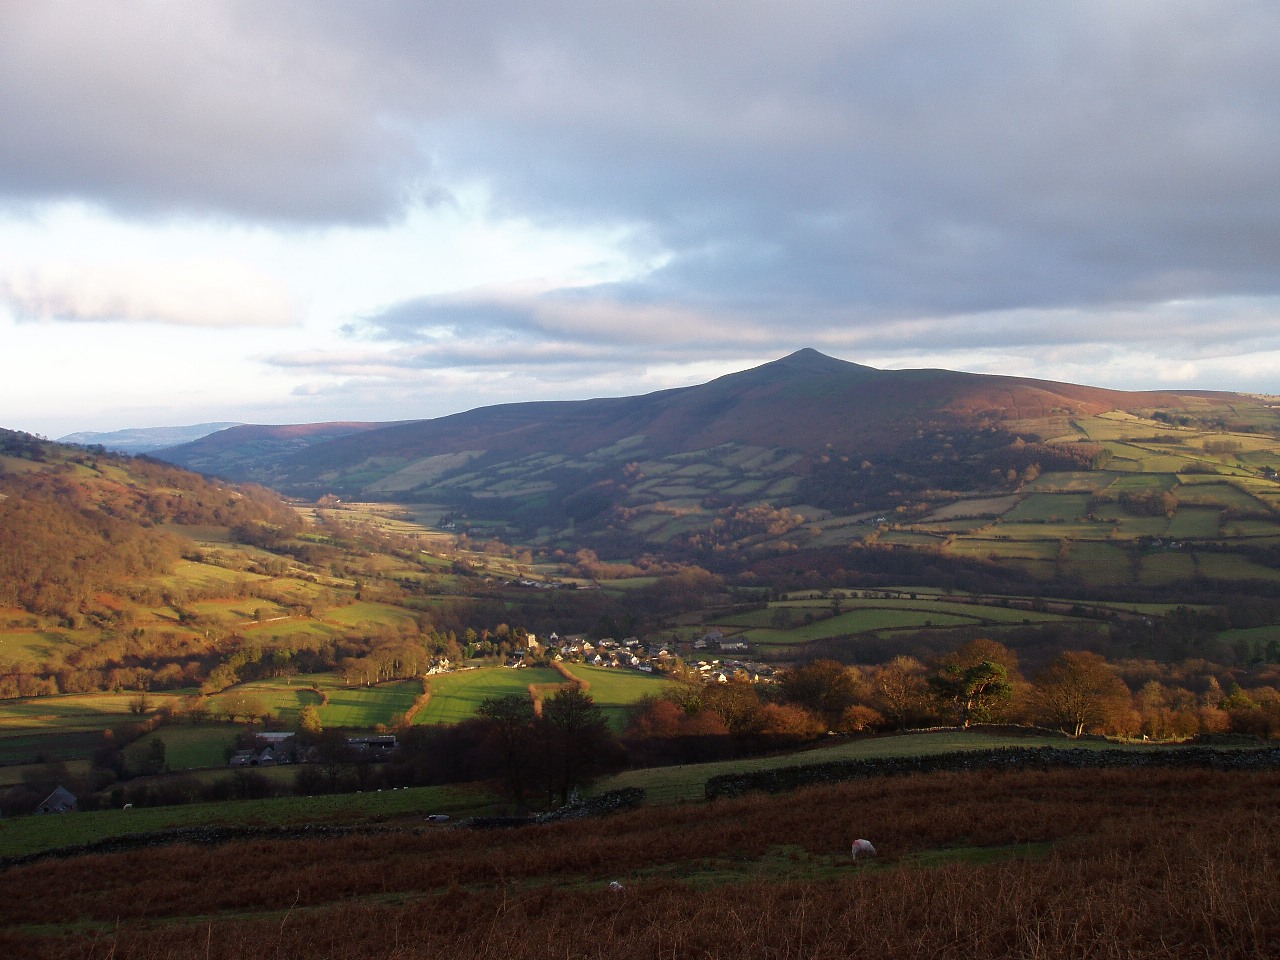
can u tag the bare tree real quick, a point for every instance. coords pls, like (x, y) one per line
(1077, 690)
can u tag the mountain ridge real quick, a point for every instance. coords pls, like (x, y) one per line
(764, 399)
(552, 461)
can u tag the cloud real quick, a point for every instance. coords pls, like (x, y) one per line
(224, 108)
(990, 180)
(587, 314)
(194, 293)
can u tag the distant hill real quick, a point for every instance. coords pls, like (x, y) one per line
(144, 439)
(248, 450)
(808, 433)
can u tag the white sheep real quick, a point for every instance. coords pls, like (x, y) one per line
(863, 847)
(616, 887)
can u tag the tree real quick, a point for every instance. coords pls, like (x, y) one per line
(309, 720)
(900, 691)
(334, 754)
(574, 741)
(509, 725)
(1077, 690)
(973, 693)
(737, 704)
(787, 723)
(826, 687)
(155, 761)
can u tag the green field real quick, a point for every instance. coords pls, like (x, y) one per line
(855, 621)
(686, 784)
(663, 785)
(1192, 522)
(616, 690)
(455, 696)
(65, 727)
(24, 835)
(1097, 562)
(72, 712)
(1167, 567)
(357, 707)
(1228, 566)
(365, 707)
(28, 647)
(362, 613)
(282, 701)
(188, 746)
(1050, 507)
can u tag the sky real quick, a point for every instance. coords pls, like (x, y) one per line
(313, 210)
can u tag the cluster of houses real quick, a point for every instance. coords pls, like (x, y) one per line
(631, 654)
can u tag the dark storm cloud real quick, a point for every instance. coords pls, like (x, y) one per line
(811, 170)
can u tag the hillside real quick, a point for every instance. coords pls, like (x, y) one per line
(804, 452)
(805, 403)
(126, 573)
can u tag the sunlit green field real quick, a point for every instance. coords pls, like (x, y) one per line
(65, 727)
(31, 647)
(365, 707)
(365, 613)
(359, 707)
(284, 702)
(456, 696)
(615, 690)
(1190, 522)
(73, 711)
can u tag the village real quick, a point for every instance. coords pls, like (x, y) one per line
(675, 659)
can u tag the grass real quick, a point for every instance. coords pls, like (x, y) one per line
(71, 712)
(1048, 507)
(32, 647)
(1097, 562)
(685, 784)
(456, 696)
(282, 701)
(1167, 567)
(1193, 522)
(25, 835)
(365, 707)
(1229, 566)
(188, 746)
(616, 690)
(363, 613)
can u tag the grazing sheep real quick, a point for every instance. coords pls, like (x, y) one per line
(864, 847)
(616, 887)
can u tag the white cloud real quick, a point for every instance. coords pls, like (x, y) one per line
(198, 293)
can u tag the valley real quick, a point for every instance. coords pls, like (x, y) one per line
(574, 608)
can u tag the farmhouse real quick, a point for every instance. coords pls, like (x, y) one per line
(61, 800)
